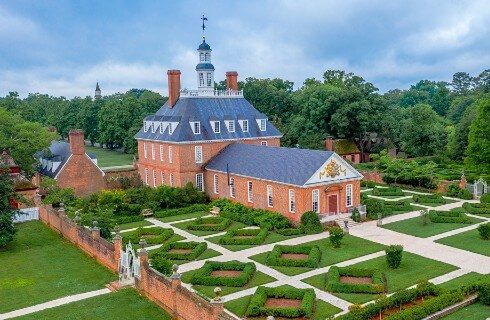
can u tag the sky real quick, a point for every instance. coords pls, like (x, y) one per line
(63, 47)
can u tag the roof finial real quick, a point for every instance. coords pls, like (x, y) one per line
(203, 27)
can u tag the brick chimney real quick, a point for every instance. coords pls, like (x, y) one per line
(232, 80)
(77, 142)
(329, 143)
(173, 87)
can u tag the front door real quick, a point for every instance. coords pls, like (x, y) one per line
(332, 204)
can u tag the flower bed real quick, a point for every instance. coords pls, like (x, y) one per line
(210, 224)
(448, 217)
(313, 253)
(258, 307)
(154, 235)
(244, 236)
(428, 198)
(477, 208)
(334, 283)
(182, 250)
(204, 275)
(390, 191)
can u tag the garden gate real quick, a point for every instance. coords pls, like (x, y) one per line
(129, 266)
(479, 188)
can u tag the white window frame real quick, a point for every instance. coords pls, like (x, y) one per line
(153, 127)
(263, 124)
(161, 152)
(216, 184)
(216, 125)
(270, 200)
(198, 154)
(146, 176)
(201, 79)
(209, 79)
(171, 178)
(230, 125)
(196, 127)
(145, 150)
(200, 185)
(152, 151)
(348, 195)
(154, 178)
(170, 128)
(201, 57)
(250, 191)
(145, 126)
(263, 143)
(292, 201)
(315, 200)
(245, 125)
(170, 154)
(232, 188)
(162, 176)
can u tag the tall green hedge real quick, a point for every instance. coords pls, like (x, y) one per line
(477, 208)
(203, 276)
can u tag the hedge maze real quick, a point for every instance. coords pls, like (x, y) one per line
(294, 256)
(477, 208)
(183, 250)
(388, 192)
(345, 280)
(244, 237)
(210, 224)
(448, 217)
(227, 274)
(154, 235)
(429, 198)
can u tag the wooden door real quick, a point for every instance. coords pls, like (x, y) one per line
(332, 204)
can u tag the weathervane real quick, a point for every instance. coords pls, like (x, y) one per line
(203, 27)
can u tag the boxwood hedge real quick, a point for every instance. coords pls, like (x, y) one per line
(335, 285)
(197, 248)
(477, 208)
(180, 211)
(428, 198)
(389, 191)
(153, 235)
(290, 231)
(314, 255)
(448, 217)
(244, 236)
(398, 205)
(210, 224)
(203, 276)
(257, 306)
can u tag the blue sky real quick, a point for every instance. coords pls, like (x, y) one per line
(64, 47)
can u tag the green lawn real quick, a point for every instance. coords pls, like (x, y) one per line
(183, 226)
(463, 280)
(258, 279)
(272, 237)
(352, 247)
(135, 224)
(110, 158)
(475, 311)
(469, 240)
(39, 266)
(323, 310)
(183, 216)
(414, 227)
(125, 304)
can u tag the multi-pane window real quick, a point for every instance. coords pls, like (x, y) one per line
(216, 184)
(170, 154)
(201, 79)
(232, 187)
(315, 198)
(201, 57)
(263, 143)
(348, 195)
(292, 201)
(171, 178)
(245, 126)
(198, 154)
(208, 57)
(231, 126)
(263, 124)
(146, 176)
(250, 191)
(154, 178)
(196, 127)
(170, 128)
(145, 126)
(270, 203)
(199, 181)
(161, 152)
(152, 152)
(209, 79)
(216, 127)
(145, 150)
(163, 178)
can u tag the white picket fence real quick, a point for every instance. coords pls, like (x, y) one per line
(27, 214)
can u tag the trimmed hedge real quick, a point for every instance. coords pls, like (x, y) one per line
(197, 248)
(453, 190)
(484, 231)
(477, 208)
(153, 235)
(428, 198)
(210, 224)
(310, 223)
(448, 217)
(398, 206)
(257, 236)
(389, 191)
(313, 252)
(335, 285)
(257, 306)
(180, 211)
(161, 264)
(368, 184)
(485, 198)
(203, 275)
(290, 231)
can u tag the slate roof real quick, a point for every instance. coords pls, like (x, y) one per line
(204, 46)
(204, 66)
(204, 110)
(286, 165)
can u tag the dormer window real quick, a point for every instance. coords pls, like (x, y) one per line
(263, 124)
(162, 128)
(244, 125)
(230, 124)
(170, 128)
(196, 127)
(216, 126)
(153, 128)
(145, 126)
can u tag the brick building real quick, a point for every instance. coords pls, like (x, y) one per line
(71, 166)
(219, 142)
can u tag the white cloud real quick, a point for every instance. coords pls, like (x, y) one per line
(14, 26)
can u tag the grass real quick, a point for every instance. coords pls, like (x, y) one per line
(124, 304)
(322, 311)
(199, 233)
(39, 266)
(258, 279)
(183, 216)
(272, 237)
(475, 311)
(110, 158)
(352, 247)
(462, 280)
(470, 241)
(135, 224)
(414, 227)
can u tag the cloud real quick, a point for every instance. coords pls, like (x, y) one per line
(15, 26)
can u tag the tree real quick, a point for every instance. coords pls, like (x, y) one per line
(462, 83)
(478, 150)
(336, 235)
(7, 229)
(458, 136)
(432, 93)
(394, 256)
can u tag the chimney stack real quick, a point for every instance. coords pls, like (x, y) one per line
(173, 87)
(232, 80)
(329, 143)
(77, 142)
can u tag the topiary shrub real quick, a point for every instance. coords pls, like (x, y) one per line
(210, 224)
(394, 256)
(448, 217)
(485, 198)
(275, 256)
(290, 231)
(336, 235)
(153, 235)
(484, 293)
(252, 217)
(204, 276)
(162, 264)
(244, 237)
(428, 198)
(334, 283)
(484, 231)
(196, 249)
(375, 207)
(310, 223)
(356, 215)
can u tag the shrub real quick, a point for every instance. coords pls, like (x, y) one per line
(484, 231)
(477, 208)
(485, 198)
(182, 211)
(275, 256)
(335, 285)
(356, 215)
(448, 217)
(424, 215)
(244, 237)
(375, 207)
(453, 190)
(484, 293)
(428, 198)
(162, 264)
(203, 276)
(397, 206)
(290, 231)
(336, 235)
(154, 235)
(197, 248)
(394, 256)
(390, 191)
(310, 223)
(210, 224)
(257, 306)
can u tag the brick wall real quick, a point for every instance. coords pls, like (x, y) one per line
(82, 175)
(374, 176)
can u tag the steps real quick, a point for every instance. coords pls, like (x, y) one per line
(350, 223)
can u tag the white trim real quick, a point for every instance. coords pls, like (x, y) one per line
(64, 164)
(146, 176)
(232, 188)
(351, 172)
(162, 177)
(292, 201)
(202, 181)
(216, 184)
(211, 140)
(193, 127)
(154, 178)
(198, 152)
(317, 192)
(328, 203)
(348, 187)
(145, 150)
(170, 154)
(171, 178)
(263, 143)
(153, 152)
(270, 196)
(250, 192)
(161, 152)
(228, 124)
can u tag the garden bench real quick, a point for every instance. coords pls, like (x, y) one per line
(215, 211)
(147, 213)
